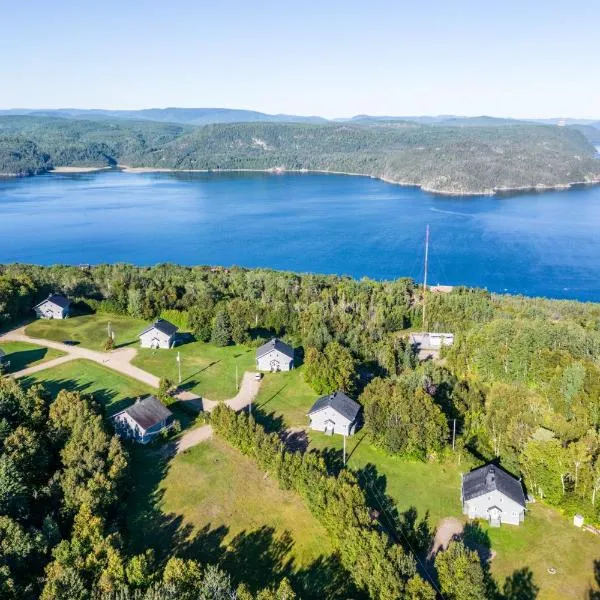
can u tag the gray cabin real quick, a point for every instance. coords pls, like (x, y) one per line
(143, 420)
(492, 494)
(161, 334)
(54, 306)
(275, 356)
(334, 413)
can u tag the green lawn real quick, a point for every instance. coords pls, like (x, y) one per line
(113, 390)
(22, 355)
(205, 369)
(90, 331)
(286, 395)
(214, 504)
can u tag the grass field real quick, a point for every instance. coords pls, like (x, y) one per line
(213, 503)
(286, 395)
(22, 355)
(111, 389)
(90, 331)
(205, 369)
(547, 540)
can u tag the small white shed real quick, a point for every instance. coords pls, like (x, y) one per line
(161, 334)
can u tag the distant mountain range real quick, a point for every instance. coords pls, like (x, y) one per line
(210, 116)
(186, 116)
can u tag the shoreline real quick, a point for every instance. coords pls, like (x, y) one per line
(281, 170)
(78, 169)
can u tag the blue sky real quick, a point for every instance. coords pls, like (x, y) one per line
(531, 58)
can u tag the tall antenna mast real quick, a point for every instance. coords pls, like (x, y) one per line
(425, 277)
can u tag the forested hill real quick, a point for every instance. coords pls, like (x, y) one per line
(445, 159)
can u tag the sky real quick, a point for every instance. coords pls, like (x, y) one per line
(523, 59)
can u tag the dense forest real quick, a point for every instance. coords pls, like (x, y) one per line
(445, 158)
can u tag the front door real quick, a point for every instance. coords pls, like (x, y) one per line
(274, 365)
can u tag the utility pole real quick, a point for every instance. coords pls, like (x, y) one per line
(344, 449)
(179, 366)
(425, 277)
(109, 330)
(237, 387)
(453, 433)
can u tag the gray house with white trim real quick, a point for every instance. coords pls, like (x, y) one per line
(334, 413)
(55, 306)
(161, 334)
(492, 494)
(275, 356)
(143, 420)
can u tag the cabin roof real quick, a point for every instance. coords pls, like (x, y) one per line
(490, 478)
(162, 326)
(338, 401)
(148, 412)
(56, 299)
(275, 344)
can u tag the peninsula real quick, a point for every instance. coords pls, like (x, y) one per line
(479, 157)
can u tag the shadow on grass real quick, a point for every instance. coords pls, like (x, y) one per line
(272, 397)
(23, 358)
(258, 557)
(188, 380)
(104, 397)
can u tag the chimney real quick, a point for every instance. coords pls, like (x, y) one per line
(490, 478)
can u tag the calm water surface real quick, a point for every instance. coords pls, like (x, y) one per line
(537, 244)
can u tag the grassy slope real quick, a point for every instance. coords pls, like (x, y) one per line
(89, 330)
(113, 390)
(213, 503)
(22, 355)
(206, 369)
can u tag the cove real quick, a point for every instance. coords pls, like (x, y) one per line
(544, 244)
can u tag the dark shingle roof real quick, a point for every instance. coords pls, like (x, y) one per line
(148, 412)
(57, 299)
(339, 402)
(275, 344)
(490, 478)
(162, 326)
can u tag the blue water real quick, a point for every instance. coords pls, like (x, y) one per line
(537, 244)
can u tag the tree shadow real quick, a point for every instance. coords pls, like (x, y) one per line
(520, 586)
(327, 578)
(595, 594)
(272, 397)
(104, 397)
(271, 421)
(295, 440)
(23, 358)
(477, 539)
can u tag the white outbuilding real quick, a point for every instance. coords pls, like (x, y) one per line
(161, 334)
(492, 494)
(275, 356)
(54, 306)
(334, 413)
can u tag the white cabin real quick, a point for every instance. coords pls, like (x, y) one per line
(161, 334)
(492, 494)
(334, 413)
(275, 356)
(54, 306)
